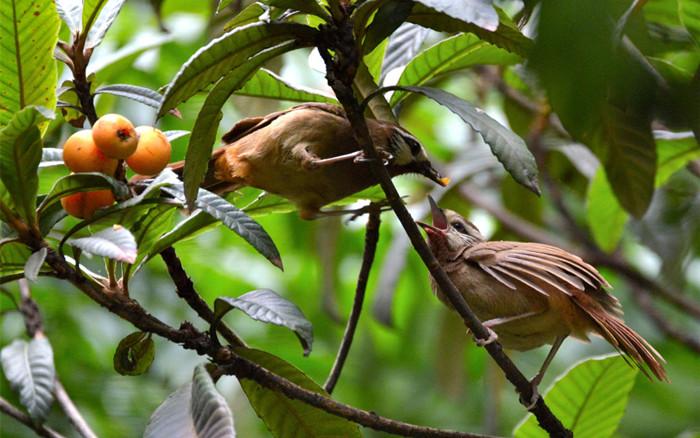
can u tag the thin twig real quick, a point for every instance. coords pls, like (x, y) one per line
(371, 238)
(23, 418)
(245, 369)
(185, 290)
(340, 69)
(72, 412)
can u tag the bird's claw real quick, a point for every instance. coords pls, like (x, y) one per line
(384, 156)
(493, 337)
(534, 398)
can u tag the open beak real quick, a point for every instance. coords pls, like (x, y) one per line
(439, 226)
(429, 171)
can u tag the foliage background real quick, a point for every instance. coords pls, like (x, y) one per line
(423, 369)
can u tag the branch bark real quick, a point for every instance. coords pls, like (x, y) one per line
(23, 418)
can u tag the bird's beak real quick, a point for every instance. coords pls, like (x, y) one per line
(439, 226)
(429, 171)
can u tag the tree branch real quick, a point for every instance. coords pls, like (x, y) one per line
(340, 69)
(23, 418)
(371, 238)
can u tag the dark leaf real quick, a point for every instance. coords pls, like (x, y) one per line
(267, 306)
(29, 368)
(388, 18)
(307, 6)
(115, 243)
(104, 21)
(134, 354)
(479, 12)
(196, 410)
(143, 95)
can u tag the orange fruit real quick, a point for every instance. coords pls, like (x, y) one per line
(80, 154)
(115, 136)
(84, 204)
(152, 153)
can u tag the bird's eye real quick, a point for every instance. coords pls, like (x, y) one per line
(459, 227)
(413, 145)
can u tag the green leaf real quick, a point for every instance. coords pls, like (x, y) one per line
(507, 36)
(147, 231)
(143, 95)
(207, 123)
(388, 18)
(689, 13)
(606, 218)
(285, 417)
(20, 154)
(267, 306)
(223, 54)
(195, 410)
(307, 6)
(267, 84)
(236, 220)
(268, 203)
(403, 45)
(107, 14)
(82, 182)
(250, 14)
(13, 258)
(134, 354)
(589, 399)
(116, 243)
(478, 12)
(449, 55)
(29, 368)
(510, 149)
(674, 150)
(28, 74)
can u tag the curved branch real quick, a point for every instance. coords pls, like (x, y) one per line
(371, 238)
(23, 418)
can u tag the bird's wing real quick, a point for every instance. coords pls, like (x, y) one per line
(543, 268)
(251, 124)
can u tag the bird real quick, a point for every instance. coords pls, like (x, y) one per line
(308, 154)
(531, 294)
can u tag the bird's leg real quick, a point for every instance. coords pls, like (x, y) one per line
(311, 161)
(498, 321)
(383, 155)
(535, 382)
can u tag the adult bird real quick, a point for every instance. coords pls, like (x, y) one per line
(531, 294)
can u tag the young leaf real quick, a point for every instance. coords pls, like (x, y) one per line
(510, 149)
(34, 263)
(29, 368)
(71, 12)
(82, 182)
(449, 55)
(265, 83)
(223, 54)
(267, 306)
(134, 354)
(195, 410)
(115, 243)
(589, 399)
(28, 74)
(143, 95)
(239, 222)
(285, 417)
(479, 12)
(20, 154)
(104, 21)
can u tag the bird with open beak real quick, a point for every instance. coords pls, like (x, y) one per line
(531, 294)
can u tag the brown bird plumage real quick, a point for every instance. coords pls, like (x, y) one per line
(308, 155)
(531, 294)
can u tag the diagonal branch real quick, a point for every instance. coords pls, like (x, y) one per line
(371, 238)
(23, 418)
(340, 69)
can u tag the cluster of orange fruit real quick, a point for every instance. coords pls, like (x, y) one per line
(113, 137)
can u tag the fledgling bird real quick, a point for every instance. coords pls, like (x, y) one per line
(308, 155)
(531, 294)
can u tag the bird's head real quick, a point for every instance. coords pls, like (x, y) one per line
(450, 232)
(409, 156)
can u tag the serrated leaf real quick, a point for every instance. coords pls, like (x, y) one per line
(223, 54)
(403, 45)
(195, 410)
(267, 84)
(510, 149)
(82, 182)
(29, 368)
(606, 218)
(104, 21)
(27, 69)
(207, 123)
(236, 220)
(20, 154)
(450, 55)
(267, 306)
(71, 12)
(507, 36)
(51, 157)
(115, 243)
(143, 95)
(134, 354)
(589, 399)
(285, 417)
(478, 12)
(34, 264)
